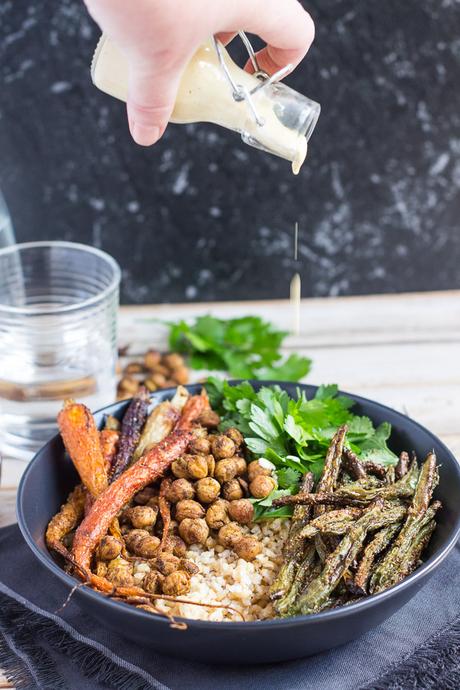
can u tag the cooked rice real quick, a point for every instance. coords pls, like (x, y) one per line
(228, 580)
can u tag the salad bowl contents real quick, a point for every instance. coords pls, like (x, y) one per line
(272, 507)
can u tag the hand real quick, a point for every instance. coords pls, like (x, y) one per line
(159, 37)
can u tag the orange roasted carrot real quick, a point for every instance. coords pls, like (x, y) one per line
(150, 467)
(146, 470)
(81, 439)
(165, 510)
(109, 445)
(66, 520)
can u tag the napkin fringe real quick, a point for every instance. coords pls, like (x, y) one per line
(13, 668)
(433, 665)
(26, 661)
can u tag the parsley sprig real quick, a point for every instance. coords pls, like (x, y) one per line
(294, 433)
(247, 347)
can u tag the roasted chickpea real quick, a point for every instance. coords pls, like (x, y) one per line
(142, 517)
(232, 490)
(167, 563)
(134, 368)
(200, 445)
(143, 497)
(151, 359)
(197, 466)
(209, 419)
(189, 509)
(179, 468)
(241, 465)
(141, 543)
(189, 566)
(229, 535)
(235, 435)
(255, 469)
(152, 582)
(161, 369)
(222, 447)
(180, 490)
(200, 432)
(217, 514)
(244, 485)
(176, 584)
(158, 379)
(225, 470)
(101, 569)
(241, 511)
(170, 383)
(173, 360)
(109, 548)
(194, 531)
(174, 544)
(150, 384)
(211, 465)
(180, 375)
(207, 489)
(128, 386)
(120, 573)
(261, 486)
(248, 548)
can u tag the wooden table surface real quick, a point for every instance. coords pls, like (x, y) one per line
(402, 350)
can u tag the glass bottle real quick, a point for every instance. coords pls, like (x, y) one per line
(213, 88)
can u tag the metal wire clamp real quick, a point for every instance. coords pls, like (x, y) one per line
(240, 92)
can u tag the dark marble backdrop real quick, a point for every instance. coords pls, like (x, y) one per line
(201, 216)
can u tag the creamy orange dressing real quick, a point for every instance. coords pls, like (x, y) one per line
(205, 96)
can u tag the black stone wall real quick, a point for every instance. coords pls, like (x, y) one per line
(201, 216)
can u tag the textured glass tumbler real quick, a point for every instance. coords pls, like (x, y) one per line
(58, 329)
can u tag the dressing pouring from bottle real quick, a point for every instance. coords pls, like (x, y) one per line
(268, 114)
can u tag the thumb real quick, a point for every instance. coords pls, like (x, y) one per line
(151, 98)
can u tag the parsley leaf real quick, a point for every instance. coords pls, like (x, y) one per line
(247, 347)
(294, 433)
(288, 477)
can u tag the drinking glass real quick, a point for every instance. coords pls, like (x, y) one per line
(6, 226)
(58, 328)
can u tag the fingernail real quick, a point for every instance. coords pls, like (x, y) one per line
(143, 134)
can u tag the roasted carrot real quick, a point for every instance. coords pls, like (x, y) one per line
(131, 427)
(66, 520)
(109, 439)
(81, 439)
(165, 510)
(147, 469)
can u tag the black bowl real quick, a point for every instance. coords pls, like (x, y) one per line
(50, 476)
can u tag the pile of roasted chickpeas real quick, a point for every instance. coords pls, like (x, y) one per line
(155, 370)
(208, 491)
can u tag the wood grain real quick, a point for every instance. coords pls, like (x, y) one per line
(401, 350)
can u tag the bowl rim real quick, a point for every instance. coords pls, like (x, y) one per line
(316, 618)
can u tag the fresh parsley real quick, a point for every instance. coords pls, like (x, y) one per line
(294, 433)
(247, 347)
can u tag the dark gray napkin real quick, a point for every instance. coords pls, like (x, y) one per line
(44, 646)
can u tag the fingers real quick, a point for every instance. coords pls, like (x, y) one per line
(151, 96)
(226, 36)
(285, 26)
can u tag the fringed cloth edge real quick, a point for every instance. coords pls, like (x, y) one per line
(27, 638)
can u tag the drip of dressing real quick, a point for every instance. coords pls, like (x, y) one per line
(296, 287)
(295, 297)
(204, 95)
(300, 156)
